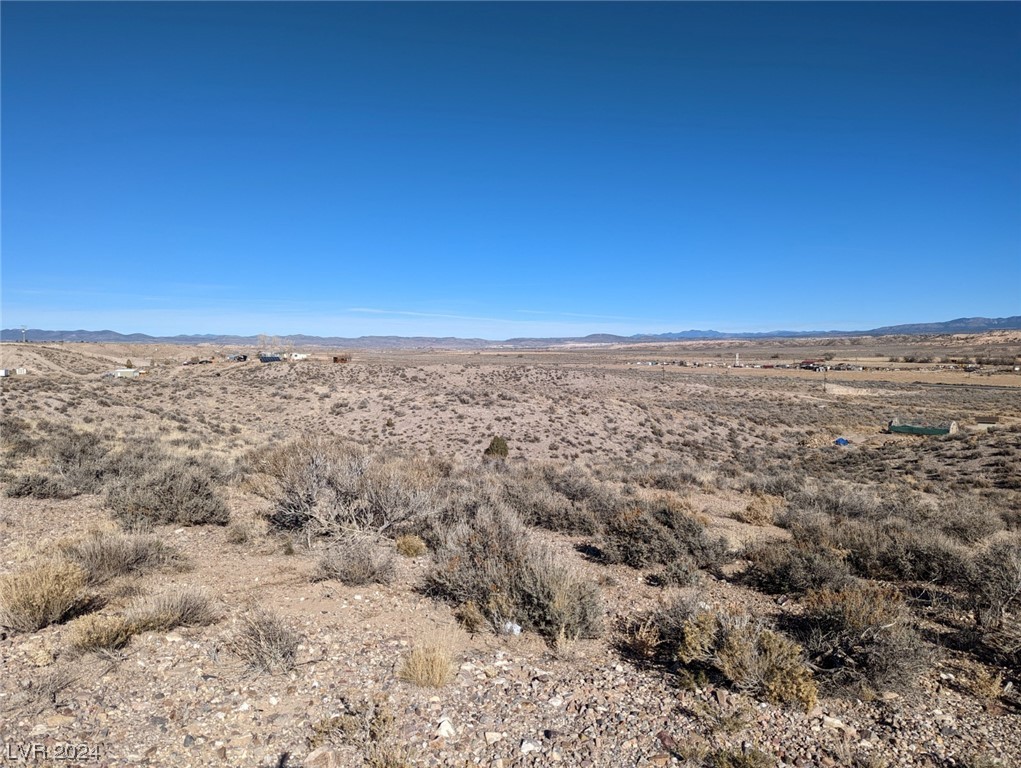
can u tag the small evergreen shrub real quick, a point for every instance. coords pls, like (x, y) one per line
(497, 449)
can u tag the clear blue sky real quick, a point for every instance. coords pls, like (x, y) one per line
(498, 170)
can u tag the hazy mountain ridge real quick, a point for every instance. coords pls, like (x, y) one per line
(958, 325)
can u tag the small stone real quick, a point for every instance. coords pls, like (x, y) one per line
(445, 730)
(527, 745)
(323, 758)
(493, 736)
(832, 722)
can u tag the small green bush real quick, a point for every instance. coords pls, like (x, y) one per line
(497, 449)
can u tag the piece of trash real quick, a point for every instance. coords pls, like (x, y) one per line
(841, 441)
(510, 628)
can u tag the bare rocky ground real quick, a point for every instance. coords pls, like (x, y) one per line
(185, 697)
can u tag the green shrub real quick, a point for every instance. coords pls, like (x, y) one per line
(497, 449)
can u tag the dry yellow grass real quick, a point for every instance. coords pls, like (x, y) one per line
(429, 665)
(100, 633)
(41, 595)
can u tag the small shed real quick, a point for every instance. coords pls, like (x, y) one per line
(341, 359)
(922, 427)
(20, 371)
(987, 420)
(126, 373)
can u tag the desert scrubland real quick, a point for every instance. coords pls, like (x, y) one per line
(319, 564)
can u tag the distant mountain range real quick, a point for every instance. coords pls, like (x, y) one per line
(960, 325)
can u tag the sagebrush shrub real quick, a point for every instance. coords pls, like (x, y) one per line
(357, 562)
(152, 486)
(748, 655)
(107, 554)
(39, 486)
(787, 568)
(325, 488)
(994, 581)
(658, 533)
(531, 497)
(490, 560)
(862, 635)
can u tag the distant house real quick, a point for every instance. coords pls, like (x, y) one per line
(341, 359)
(922, 427)
(299, 356)
(4, 372)
(988, 420)
(126, 373)
(237, 358)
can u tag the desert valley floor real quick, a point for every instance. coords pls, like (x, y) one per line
(309, 563)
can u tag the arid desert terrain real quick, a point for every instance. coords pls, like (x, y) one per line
(593, 556)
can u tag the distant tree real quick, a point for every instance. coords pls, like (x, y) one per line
(129, 364)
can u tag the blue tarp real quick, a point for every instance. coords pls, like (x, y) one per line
(841, 441)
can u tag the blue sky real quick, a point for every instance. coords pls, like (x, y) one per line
(508, 169)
